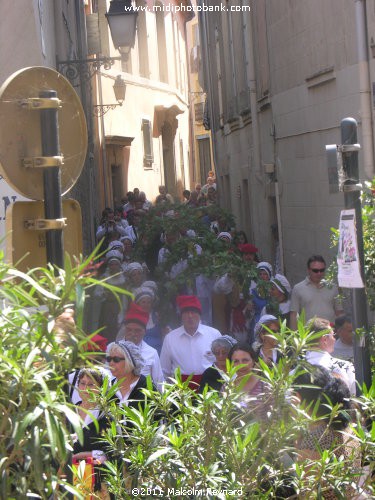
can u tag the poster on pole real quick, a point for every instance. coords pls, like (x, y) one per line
(348, 263)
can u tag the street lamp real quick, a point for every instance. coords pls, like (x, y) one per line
(119, 88)
(122, 21)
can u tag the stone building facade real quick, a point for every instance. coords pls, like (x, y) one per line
(143, 143)
(201, 140)
(146, 141)
(281, 75)
(39, 33)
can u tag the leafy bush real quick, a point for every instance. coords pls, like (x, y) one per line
(214, 446)
(368, 220)
(180, 444)
(37, 350)
(213, 262)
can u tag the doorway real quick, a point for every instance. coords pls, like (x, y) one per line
(204, 154)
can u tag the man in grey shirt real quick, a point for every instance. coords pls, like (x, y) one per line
(313, 296)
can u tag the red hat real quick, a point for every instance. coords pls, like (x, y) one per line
(135, 313)
(247, 248)
(97, 343)
(188, 302)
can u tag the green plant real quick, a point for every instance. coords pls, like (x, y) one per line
(216, 446)
(181, 444)
(37, 350)
(213, 261)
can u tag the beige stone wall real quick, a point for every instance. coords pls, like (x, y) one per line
(306, 81)
(34, 33)
(26, 39)
(155, 100)
(23, 28)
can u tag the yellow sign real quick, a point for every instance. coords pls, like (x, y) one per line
(21, 159)
(26, 248)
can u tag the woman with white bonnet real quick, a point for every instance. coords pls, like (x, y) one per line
(145, 298)
(153, 285)
(265, 345)
(125, 363)
(127, 250)
(260, 293)
(225, 237)
(280, 298)
(115, 245)
(213, 375)
(135, 275)
(107, 309)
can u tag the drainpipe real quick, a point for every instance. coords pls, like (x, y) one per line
(258, 167)
(208, 81)
(364, 89)
(251, 78)
(279, 226)
(86, 99)
(107, 203)
(250, 72)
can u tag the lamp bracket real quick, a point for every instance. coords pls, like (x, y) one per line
(102, 109)
(43, 161)
(79, 71)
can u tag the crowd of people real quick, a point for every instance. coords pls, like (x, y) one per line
(232, 318)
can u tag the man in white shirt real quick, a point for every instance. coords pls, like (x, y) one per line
(146, 203)
(133, 330)
(344, 348)
(321, 355)
(189, 346)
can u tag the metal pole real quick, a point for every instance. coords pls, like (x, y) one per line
(52, 203)
(358, 295)
(52, 182)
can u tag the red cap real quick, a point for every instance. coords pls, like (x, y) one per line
(137, 314)
(97, 343)
(247, 248)
(188, 302)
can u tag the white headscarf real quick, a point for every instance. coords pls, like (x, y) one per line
(263, 320)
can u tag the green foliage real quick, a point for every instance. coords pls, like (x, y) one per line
(36, 353)
(214, 261)
(217, 443)
(179, 441)
(368, 220)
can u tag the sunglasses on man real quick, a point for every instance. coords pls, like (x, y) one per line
(316, 271)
